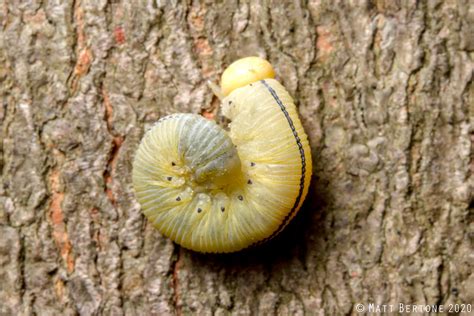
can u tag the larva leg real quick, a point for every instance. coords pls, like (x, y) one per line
(216, 90)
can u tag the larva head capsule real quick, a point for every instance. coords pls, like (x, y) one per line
(245, 71)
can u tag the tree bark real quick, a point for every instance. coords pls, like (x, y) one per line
(384, 90)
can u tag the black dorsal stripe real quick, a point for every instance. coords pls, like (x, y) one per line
(303, 162)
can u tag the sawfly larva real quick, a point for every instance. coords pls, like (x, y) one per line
(212, 190)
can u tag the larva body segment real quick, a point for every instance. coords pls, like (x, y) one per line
(273, 148)
(181, 170)
(215, 191)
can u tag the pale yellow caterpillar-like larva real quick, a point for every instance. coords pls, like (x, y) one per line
(212, 190)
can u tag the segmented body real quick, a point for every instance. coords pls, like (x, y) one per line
(216, 191)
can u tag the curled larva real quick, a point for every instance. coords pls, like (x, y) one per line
(212, 190)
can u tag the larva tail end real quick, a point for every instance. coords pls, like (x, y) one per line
(245, 71)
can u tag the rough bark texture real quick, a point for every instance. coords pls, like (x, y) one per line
(385, 93)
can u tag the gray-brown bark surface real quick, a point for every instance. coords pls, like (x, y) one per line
(385, 93)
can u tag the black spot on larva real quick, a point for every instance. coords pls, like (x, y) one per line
(230, 102)
(249, 182)
(169, 178)
(252, 164)
(199, 210)
(240, 197)
(222, 208)
(178, 199)
(173, 163)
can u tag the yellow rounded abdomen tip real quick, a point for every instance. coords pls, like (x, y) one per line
(245, 71)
